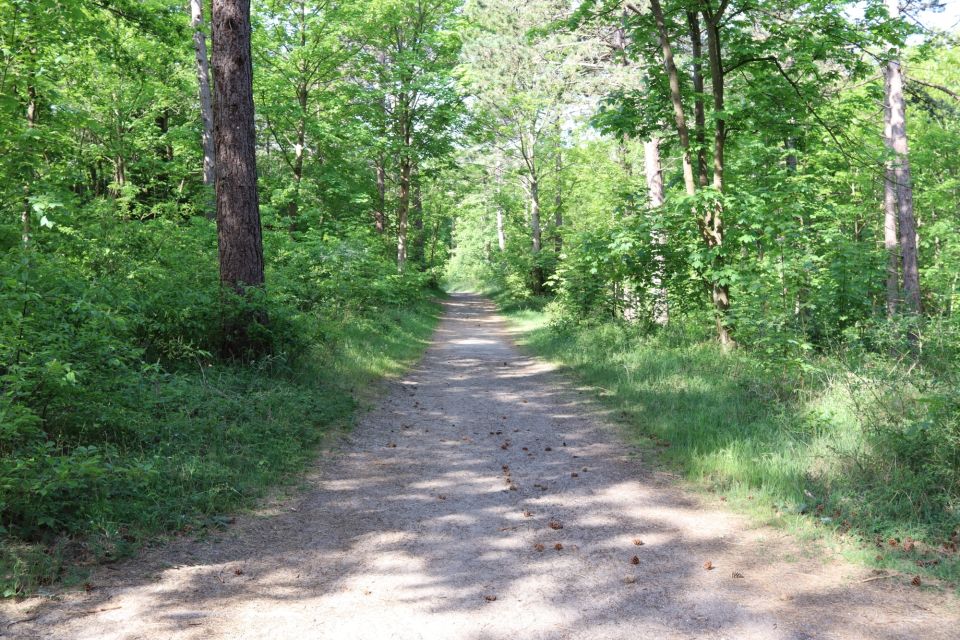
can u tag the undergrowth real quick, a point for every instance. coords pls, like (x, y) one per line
(119, 423)
(854, 450)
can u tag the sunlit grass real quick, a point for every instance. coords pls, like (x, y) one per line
(789, 452)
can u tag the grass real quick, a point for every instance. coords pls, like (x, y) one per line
(204, 444)
(790, 451)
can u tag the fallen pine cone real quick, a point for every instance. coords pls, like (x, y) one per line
(708, 565)
(916, 581)
(629, 579)
(638, 542)
(553, 524)
(558, 546)
(634, 560)
(538, 547)
(490, 598)
(736, 574)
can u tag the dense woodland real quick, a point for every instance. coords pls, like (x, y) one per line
(738, 218)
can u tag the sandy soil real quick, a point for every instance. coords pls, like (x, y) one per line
(427, 523)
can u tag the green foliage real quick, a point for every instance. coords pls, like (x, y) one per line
(118, 421)
(839, 447)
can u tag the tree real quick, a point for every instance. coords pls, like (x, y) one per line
(898, 172)
(406, 67)
(238, 207)
(524, 86)
(203, 84)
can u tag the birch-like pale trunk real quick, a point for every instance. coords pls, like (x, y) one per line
(203, 82)
(501, 232)
(655, 193)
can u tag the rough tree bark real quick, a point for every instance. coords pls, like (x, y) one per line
(203, 82)
(901, 172)
(238, 208)
(890, 241)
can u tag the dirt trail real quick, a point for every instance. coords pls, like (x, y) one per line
(435, 505)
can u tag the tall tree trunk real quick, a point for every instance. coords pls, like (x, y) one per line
(403, 209)
(654, 173)
(700, 121)
(676, 97)
(238, 206)
(501, 232)
(890, 241)
(904, 186)
(558, 205)
(536, 233)
(418, 238)
(203, 82)
(380, 212)
(293, 207)
(712, 225)
(25, 227)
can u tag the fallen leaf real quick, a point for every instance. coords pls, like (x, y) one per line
(638, 542)
(441, 497)
(574, 475)
(737, 575)
(527, 514)
(548, 448)
(629, 579)
(238, 572)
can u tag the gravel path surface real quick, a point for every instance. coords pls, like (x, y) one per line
(487, 498)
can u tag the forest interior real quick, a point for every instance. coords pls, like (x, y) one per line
(230, 226)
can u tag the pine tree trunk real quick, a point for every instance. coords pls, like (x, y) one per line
(238, 207)
(203, 82)
(904, 186)
(890, 241)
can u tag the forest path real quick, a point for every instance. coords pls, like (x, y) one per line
(433, 506)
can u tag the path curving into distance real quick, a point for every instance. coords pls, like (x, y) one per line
(427, 520)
